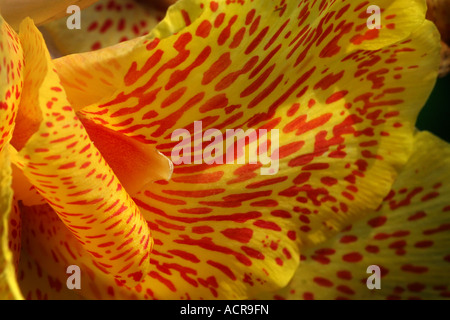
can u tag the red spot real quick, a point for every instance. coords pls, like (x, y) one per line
(227, 271)
(186, 18)
(345, 275)
(377, 222)
(106, 25)
(417, 216)
(68, 165)
(372, 249)
(430, 196)
(369, 35)
(217, 68)
(214, 6)
(185, 255)
(414, 269)
(336, 96)
(243, 235)
(424, 244)
(308, 296)
(329, 181)
(348, 239)
(279, 261)
(202, 229)
(416, 287)
(164, 281)
(441, 228)
(328, 81)
(267, 225)
(253, 253)
(292, 235)
(219, 20)
(352, 257)
(323, 282)
(345, 289)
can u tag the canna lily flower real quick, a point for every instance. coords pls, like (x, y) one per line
(84, 179)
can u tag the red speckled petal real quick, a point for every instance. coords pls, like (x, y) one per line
(43, 261)
(70, 173)
(345, 115)
(11, 80)
(48, 249)
(407, 237)
(104, 24)
(344, 102)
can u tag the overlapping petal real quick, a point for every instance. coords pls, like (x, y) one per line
(11, 81)
(343, 112)
(407, 237)
(342, 96)
(104, 24)
(64, 165)
(9, 236)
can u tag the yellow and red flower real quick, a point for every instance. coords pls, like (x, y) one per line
(84, 131)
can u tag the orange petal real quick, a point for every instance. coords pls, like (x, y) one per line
(135, 164)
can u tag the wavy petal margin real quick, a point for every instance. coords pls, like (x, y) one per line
(407, 237)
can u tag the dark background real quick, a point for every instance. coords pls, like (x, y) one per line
(435, 116)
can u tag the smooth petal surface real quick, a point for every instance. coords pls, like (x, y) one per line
(407, 237)
(69, 172)
(343, 97)
(40, 11)
(104, 24)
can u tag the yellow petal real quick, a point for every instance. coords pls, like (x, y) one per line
(49, 248)
(345, 105)
(11, 80)
(66, 168)
(9, 235)
(345, 116)
(40, 11)
(407, 237)
(104, 24)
